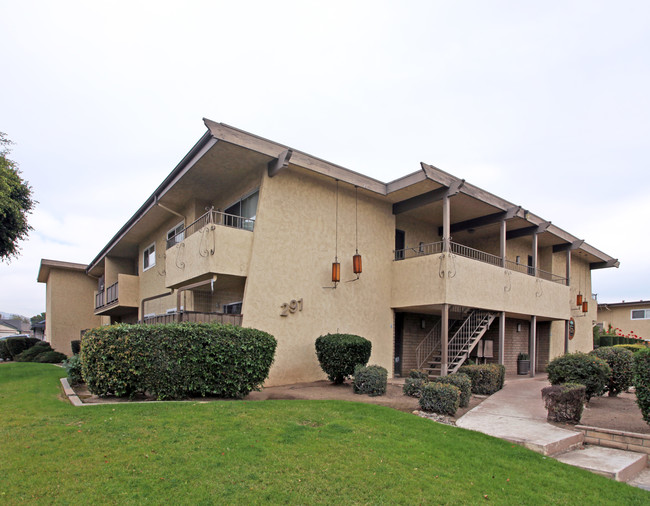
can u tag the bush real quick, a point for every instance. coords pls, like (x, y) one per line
(370, 380)
(30, 354)
(4, 351)
(564, 402)
(339, 354)
(419, 374)
(176, 360)
(632, 347)
(413, 386)
(621, 363)
(642, 381)
(73, 366)
(486, 379)
(606, 341)
(441, 398)
(76, 346)
(50, 357)
(587, 370)
(463, 383)
(16, 345)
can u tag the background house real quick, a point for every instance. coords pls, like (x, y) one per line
(11, 326)
(632, 318)
(248, 231)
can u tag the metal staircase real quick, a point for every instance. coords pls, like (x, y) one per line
(464, 338)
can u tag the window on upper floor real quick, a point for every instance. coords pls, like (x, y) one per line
(149, 257)
(246, 207)
(640, 314)
(176, 234)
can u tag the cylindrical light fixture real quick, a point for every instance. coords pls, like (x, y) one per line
(356, 263)
(579, 300)
(585, 306)
(336, 272)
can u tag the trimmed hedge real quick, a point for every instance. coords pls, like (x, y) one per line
(176, 360)
(463, 383)
(30, 354)
(370, 380)
(50, 357)
(642, 381)
(441, 398)
(419, 374)
(621, 363)
(486, 379)
(339, 354)
(75, 346)
(413, 386)
(632, 347)
(4, 351)
(587, 370)
(564, 402)
(16, 345)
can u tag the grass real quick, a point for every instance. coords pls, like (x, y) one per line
(231, 452)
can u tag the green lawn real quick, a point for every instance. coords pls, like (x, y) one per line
(255, 452)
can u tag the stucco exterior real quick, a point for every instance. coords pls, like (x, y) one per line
(249, 227)
(619, 315)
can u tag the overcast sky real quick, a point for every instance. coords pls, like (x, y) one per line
(546, 104)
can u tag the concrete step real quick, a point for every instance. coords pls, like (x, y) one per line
(620, 465)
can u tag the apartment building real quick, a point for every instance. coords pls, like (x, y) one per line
(631, 317)
(430, 268)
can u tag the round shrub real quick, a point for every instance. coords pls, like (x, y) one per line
(463, 383)
(50, 357)
(642, 381)
(419, 373)
(413, 386)
(621, 363)
(441, 398)
(370, 380)
(564, 402)
(75, 346)
(339, 354)
(486, 378)
(73, 367)
(30, 354)
(16, 345)
(587, 370)
(4, 351)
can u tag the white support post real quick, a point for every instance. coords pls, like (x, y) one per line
(446, 224)
(444, 340)
(532, 342)
(502, 242)
(502, 337)
(534, 254)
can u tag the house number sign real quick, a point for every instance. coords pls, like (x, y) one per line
(291, 307)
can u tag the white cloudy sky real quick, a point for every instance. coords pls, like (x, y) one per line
(546, 104)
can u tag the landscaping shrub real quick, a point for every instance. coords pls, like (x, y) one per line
(587, 370)
(50, 357)
(632, 347)
(413, 386)
(564, 402)
(370, 380)
(4, 351)
(76, 346)
(606, 341)
(486, 379)
(339, 354)
(463, 383)
(30, 354)
(73, 367)
(16, 345)
(419, 373)
(176, 360)
(642, 381)
(621, 363)
(441, 398)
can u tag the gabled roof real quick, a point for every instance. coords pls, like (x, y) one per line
(427, 179)
(607, 305)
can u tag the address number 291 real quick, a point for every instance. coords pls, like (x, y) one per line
(291, 307)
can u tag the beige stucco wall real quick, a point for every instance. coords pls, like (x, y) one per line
(293, 249)
(69, 307)
(621, 317)
(416, 231)
(116, 265)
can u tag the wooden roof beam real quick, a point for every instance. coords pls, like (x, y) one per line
(569, 246)
(522, 232)
(428, 197)
(604, 265)
(483, 220)
(280, 163)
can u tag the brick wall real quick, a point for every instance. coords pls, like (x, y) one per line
(413, 335)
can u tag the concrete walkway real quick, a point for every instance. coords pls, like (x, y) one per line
(517, 413)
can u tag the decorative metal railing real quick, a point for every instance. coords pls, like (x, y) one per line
(472, 329)
(214, 218)
(481, 256)
(428, 346)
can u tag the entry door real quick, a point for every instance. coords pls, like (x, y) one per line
(399, 329)
(400, 236)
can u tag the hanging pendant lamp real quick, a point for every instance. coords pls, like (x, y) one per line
(336, 266)
(356, 258)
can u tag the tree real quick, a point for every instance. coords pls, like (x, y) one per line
(16, 203)
(38, 318)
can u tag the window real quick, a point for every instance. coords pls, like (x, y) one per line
(246, 207)
(149, 257)
(640, 314)
(233, 308)
(176, 234)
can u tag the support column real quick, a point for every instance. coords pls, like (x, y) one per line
(566, 336)
(568, 267)
(502, 337)
(502, 243)
(444, 340)
(534, 254)
(532, 345)
(446, 224)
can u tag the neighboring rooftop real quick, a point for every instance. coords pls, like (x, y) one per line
(605, 305)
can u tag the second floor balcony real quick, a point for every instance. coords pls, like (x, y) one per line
(118, 298)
